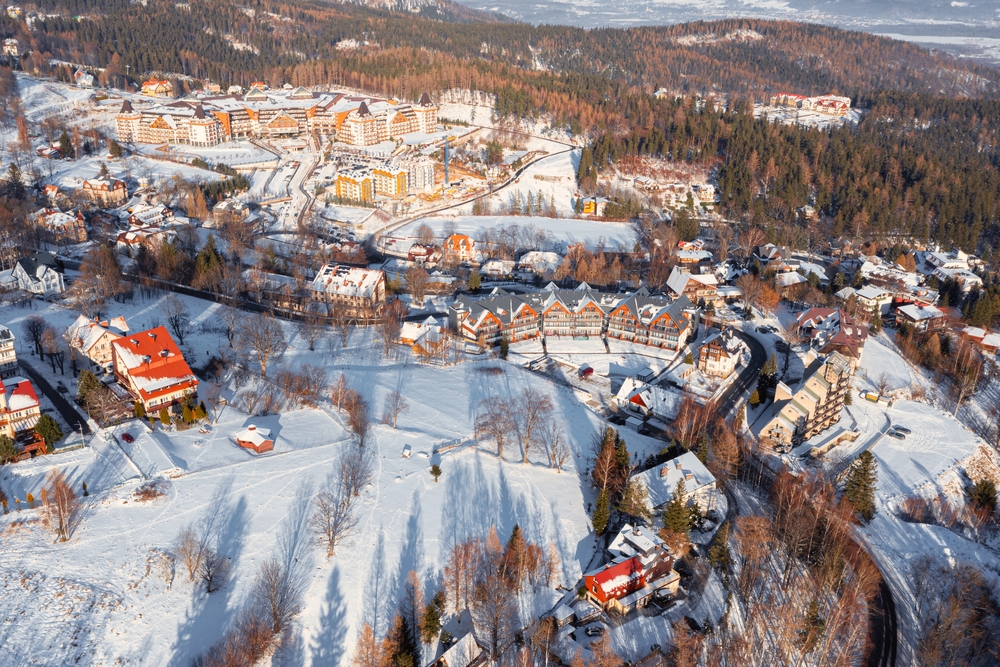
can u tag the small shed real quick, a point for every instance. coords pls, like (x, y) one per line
(406, 452)
(256, 438)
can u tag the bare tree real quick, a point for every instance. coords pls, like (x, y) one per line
(416, 281)
(190, 550)
(395, 404)
(311, 327)
(62, 507)
(53, 346)
(231, 319)
(425, 235)
(495, 614)
(276, 595)
(531, 409)
(214, 570)
(341, 318)
(494, 419)
(358, 417)
(263, 336)
(34, 327)
(100, 280)
(332, 520)
(340, 392)
(885, 383)
(368, 650)
(356, 470)
(178, 318)
(388, 328)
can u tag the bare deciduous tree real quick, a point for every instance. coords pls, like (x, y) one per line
(358, 417)
(395, 405)
(531, 409)
(495, 614)
(214, 570)
(494, 419)
(189, 548)
(333, 520)
(388, 328)
(34, 327)
(311, 327)
(175, 312)
(62, 507)
(341, 318)
(276, 595)
(356, 470)
(262, 336)
(416, 282)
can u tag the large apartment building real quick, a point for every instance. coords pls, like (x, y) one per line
(207, 121)
(362, 291)
(580, 313)
(799, 413)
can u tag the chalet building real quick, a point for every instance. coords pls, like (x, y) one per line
(83, 79)
(812, 406)
(460, 248)
(829, 330)
(92, 339)
(40, 274)
(466, 652)
(157, 88)
(130, 242)
(361, 291)
(640, 565)
(424, 255)
(577, 313)
(650, 320)
(488, 321)
(699, 288)
(255, 438)
(8, 355)
(151, 367)
(771, 256)
(871, 297)
(105, 191)
(983, 339)
(699, 484)
(921, 317)
(58, 227)
(264, 114)
(721, 353)
(20, 409)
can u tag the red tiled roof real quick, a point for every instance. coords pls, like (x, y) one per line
(153, 361)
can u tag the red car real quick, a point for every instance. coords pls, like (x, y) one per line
(127, 437)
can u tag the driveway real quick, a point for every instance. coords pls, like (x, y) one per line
(68, 411)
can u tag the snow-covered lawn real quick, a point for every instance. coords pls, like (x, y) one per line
(564, 231)
(94, 601)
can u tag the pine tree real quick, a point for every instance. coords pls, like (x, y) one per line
(140, 409)
(602, 513)
(514, 555)
(65, 145)
(8, 451)
(635, 501)
(49, 430)
(165, 416)
(435, 472)
(87, 383)
(702, 450)
(876, 324)
(849, 397)
(676, 514)
(860, 485)
(187, 415)
(475, 281)
(114, 149)
(432, 622)
(504, 347)
(718, 554)
(755, 398)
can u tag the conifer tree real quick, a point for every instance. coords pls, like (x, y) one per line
(87, 383)
(876, 324)
(677, 516)
(49, 430)
(165, 416)
(755, 398)
(860, 485)
(475, 281)
(435, 472)
(602, 513)
(140, 409)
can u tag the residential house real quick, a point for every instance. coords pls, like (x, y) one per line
(812, 406)
(871, 297)
(460, 248)
(58, 227)
(92, 339)
(641, 565)
(360, 290)
(83, 79)
(921, 317)
(465, 652)
(966, 279)
(11, 47)
(595, 206)
(488, 321)
(229, 210)
(20, 410)
(721, 353)
(699, 288)
(8, 355)
(651, 320)
(152, 368)
(542, 264)
(424, 255)
(771, 256)
(130, 241)
(699, 484)
(39, 274)
(157, 88)
(105, 191)
(986, 341)
(578, 313)
(827, 330)
(255, 438)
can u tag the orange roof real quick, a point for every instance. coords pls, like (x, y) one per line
(153, 361)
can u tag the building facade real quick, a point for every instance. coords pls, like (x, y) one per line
(152, 368)
(105, 191)
(8, 355)
(361, 291)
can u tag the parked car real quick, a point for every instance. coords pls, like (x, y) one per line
(897, 436)
(594, 630)
(586, 370)
(127, 437)
(902, 429)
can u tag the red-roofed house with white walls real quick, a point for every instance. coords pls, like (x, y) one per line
(151, 367)
(20, 410)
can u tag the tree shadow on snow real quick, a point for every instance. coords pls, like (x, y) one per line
(378, 606)
(328, 642)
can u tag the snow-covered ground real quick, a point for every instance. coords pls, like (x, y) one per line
(103, 598)
(564, 231)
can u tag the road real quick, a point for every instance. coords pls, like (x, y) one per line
(69, 413)
(731, 400)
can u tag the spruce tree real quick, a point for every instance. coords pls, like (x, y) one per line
(602, 513)
(140, 409)
(504, 347)
(435, 472)
(876, 324)
(164, 416)
(475, 282)
(49, 430)
(676, 514)
(87, 383)
(860, 485)
(848, 397)
(432, 623)
(65, 145)
(702, 450)
(8, 452)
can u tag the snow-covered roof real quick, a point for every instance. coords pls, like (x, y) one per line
(462, 653)
(256, 435)
(789, 278)
(540, 262)
(661, 481)
(634, 541)
(84, 333)
(347, 280)
(918, 313)
(152, 361)
(18, 394)
(872, 292)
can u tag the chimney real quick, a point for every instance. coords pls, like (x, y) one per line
(664, 470)
(689, 476)
(678, 464)
(251, 428)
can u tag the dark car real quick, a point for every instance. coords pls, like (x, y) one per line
(127, 437)
(594, 631)
(897, 436)
(902, 429)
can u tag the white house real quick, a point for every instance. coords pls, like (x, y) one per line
(871, 297)
(39, 274)
(699, 483)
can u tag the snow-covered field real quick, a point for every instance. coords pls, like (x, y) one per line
(564, 231)
(103, 598)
